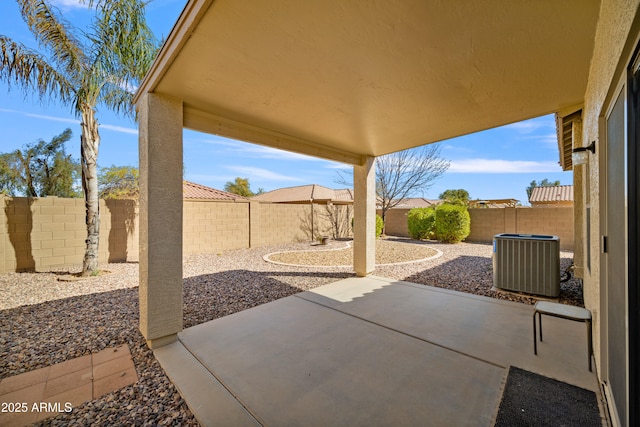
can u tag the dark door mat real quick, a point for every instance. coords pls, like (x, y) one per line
(534, 400)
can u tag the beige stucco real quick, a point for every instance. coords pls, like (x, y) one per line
(612, 52)
(160, 218)
(345, 79)
(349, 81)
(364, 223)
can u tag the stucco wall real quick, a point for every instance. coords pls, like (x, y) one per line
(612, 52)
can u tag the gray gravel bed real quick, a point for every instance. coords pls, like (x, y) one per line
(468, 267)
(44, 321)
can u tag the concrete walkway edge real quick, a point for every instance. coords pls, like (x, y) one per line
(207, 398)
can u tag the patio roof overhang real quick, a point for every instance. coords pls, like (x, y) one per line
(346, 80)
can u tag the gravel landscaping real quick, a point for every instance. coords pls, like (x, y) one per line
(46, 321)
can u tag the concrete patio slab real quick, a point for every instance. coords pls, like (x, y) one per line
(367, 351)
(496, 331)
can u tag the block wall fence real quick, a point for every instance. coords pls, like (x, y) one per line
(41, 234)
(487, 222)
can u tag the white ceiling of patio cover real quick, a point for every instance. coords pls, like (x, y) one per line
(373, 77)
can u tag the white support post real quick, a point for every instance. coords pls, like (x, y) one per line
(160, 136)
(364, 223)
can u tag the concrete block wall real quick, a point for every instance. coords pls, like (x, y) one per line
(558, 221)
(395, 222)
(45, 233)
(282, 223)
(554, 221)
(214, 226)
(486, 223)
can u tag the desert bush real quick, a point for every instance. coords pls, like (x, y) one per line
(421, 223)
(452, 223)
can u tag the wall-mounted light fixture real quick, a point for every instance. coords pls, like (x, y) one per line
(580, 156)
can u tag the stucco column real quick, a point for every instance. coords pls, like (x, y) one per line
(364, 223)
(160, 147)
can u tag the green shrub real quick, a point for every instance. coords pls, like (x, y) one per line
(453, 223)
(421, 223)
(379, 225)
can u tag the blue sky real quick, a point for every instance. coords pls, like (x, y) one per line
(497, 163)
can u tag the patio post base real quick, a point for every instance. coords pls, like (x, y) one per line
(162, 341)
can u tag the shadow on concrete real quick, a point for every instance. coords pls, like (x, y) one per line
(211, 296)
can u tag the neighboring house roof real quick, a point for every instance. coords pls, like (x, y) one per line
(494, 203)
(556, 194)
(305, 194)
(416, 202)
(191, 190)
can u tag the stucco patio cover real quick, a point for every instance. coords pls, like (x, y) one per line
(340, 79)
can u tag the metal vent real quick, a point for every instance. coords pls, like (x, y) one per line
(527, 263)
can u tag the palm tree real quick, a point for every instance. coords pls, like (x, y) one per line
(83, 71)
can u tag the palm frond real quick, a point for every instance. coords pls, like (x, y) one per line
(125, 44)
(54, 33)
(30, 71)
(117, 98)
(124, 49)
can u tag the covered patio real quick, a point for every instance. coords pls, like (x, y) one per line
(350, 81)
(368, 351)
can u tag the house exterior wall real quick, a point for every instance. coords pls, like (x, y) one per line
(612, 51)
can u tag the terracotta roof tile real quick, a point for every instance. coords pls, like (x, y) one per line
(191, 190)
(552, 194)
(417, 202)
(305, 193)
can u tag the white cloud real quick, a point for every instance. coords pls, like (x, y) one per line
(121, 129)
(253, 150)
(529, 126)
(114, 128)
(502, 166)
(340, 166)
(253, 172)
(40, 116)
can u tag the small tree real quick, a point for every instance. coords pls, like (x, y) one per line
(404, 173)
(40, 169)
(455, 197)
(241, 187)
(119, 182)
(339, 216)
(453, 223)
